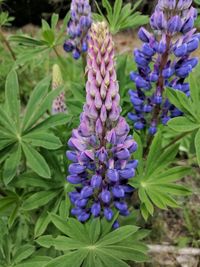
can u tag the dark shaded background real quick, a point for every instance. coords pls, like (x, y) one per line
(31, 11)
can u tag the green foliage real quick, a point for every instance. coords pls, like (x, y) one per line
(87, 245)
(49, 40)
(22, 135)
(155, 179)
(5, 19)
(121, 17)
(190, 122)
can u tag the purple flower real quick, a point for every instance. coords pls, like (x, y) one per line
(165, 60)
(101, 148)
(78, 27)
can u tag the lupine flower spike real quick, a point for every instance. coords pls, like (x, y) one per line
(78, 28)
(57, 81)
(169, 48)
(101, 148)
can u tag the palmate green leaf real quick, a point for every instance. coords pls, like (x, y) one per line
(197, 145)
(35, 161)
(39, 199)
(12, 100)
(94, 244)
(11, 165)
(155, 180)
(42, 139)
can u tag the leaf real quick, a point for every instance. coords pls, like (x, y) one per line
(117, 235)
(54, 20)
(26, 41)
(55, 120)
(61, 224)
(39, 199)
(182, 124)
(49, 37)
(43, 106)
(7, 122)
(37, 96)
(37, 261)
(35, 161)
(74, 259)
(181, 101)
(94, 230)
(41, 224)
(6, 203)
(126, 253)
(145, 199)
(109, 260)
(12, 97)
(154, 152)
(42, 139)
(117, 10)
(60, 242)
(70, 227)
(11, 165)
(170, 175)
(197, 145)
(23, 253)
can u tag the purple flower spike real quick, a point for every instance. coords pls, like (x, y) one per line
(78, 28)
(101, 148)
(163, 61)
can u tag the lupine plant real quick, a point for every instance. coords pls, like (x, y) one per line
(164, 61)
(77, 182)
